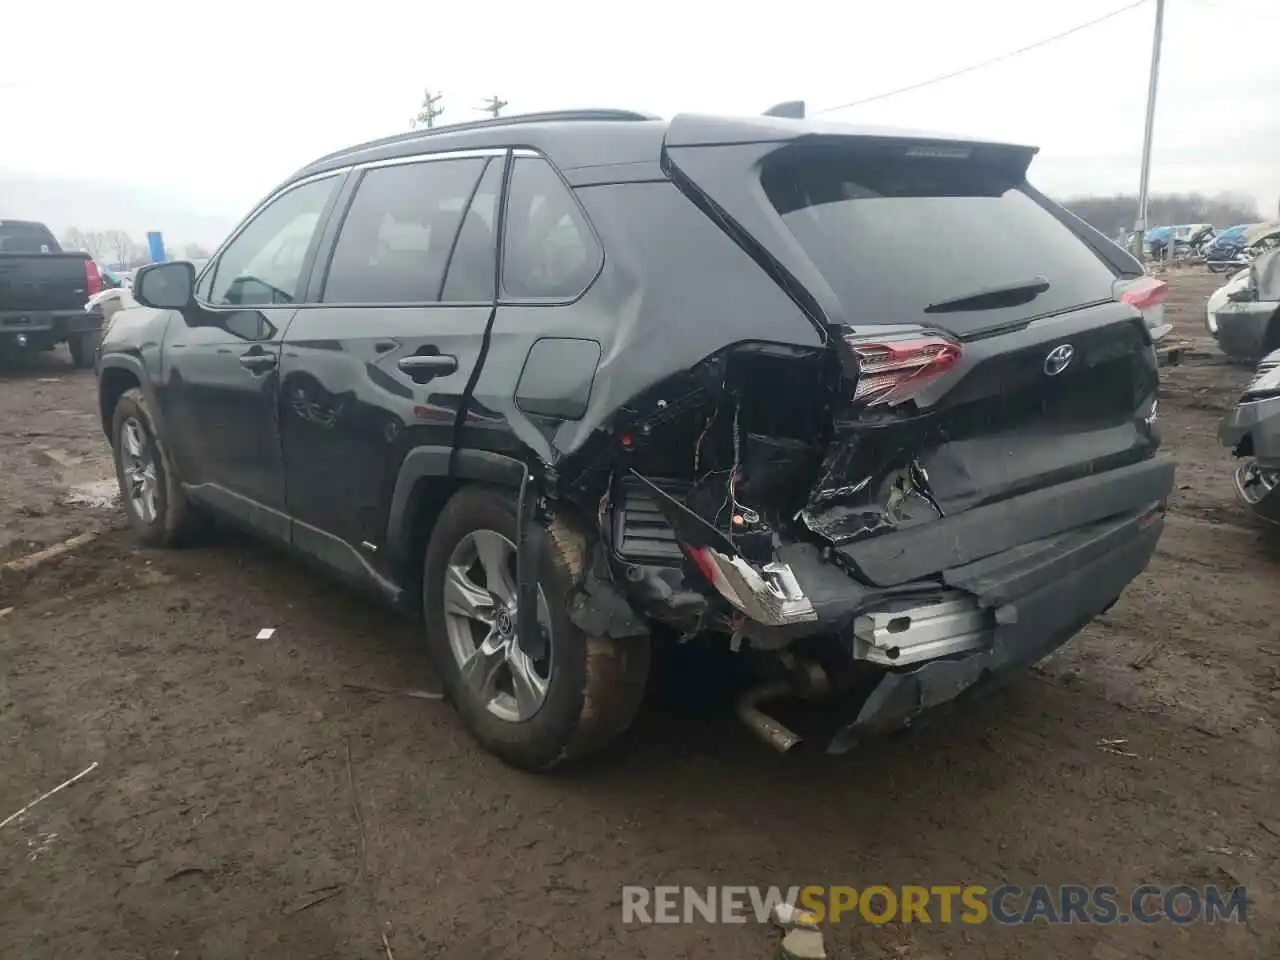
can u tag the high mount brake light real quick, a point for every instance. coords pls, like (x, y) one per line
(892, 370)
(1146, 293)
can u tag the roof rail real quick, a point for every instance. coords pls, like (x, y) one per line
(599, 114)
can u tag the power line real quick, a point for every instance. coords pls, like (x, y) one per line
(986, 63)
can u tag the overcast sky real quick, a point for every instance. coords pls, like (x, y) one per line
(180, 115)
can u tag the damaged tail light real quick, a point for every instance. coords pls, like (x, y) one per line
(770, 595)
(893, 369)
(1145, 293)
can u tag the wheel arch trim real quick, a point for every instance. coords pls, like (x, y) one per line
(133, 366)
(432, 462)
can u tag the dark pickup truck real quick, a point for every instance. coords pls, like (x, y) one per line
(43, 292)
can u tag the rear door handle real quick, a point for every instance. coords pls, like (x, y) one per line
(436, 364)
(257, 362)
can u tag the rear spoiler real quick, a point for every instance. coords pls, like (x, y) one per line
(791, 109)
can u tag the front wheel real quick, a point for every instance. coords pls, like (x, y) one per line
(534, 702)
(153, 498)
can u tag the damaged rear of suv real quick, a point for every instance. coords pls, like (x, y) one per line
(861, 406)
(948, 480)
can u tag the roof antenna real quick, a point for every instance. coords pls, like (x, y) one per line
(792, 109)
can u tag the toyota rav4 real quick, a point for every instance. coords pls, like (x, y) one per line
(859, 405)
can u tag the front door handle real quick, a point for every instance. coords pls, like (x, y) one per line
(432, 364)
(257, 362)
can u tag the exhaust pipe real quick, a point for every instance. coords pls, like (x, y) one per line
(761, 724)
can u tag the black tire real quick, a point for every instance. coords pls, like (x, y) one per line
(82, 347)
(596, 684)
(1272, 340)
(175, 518)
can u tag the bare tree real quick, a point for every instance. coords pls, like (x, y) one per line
(121, 246)
(430, 109)
(74, 239)
(92, 242)
(1115, 214)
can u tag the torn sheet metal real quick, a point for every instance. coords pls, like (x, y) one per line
(899, 498)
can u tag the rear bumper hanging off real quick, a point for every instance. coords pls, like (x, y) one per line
(1025, 630)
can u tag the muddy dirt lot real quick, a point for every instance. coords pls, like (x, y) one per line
(249, 801)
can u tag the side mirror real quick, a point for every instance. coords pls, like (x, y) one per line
(165, 286)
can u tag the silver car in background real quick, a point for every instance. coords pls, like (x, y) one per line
(1246, 321)
(1252, 432)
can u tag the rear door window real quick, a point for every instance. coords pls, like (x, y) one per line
(550, 251)
(900, 239)
(400, 232)
(473, 265)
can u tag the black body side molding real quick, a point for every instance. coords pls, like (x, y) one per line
(131, 364)
(434, 462)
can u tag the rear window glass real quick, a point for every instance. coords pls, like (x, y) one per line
(894, 234)
(25, 238)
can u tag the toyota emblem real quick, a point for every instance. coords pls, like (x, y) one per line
(1058, 359)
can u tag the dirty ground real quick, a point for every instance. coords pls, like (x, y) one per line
(261, 797)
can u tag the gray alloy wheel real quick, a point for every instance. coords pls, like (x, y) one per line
(138, 462)
(480, 613)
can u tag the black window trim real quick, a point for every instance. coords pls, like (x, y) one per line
(529, 153)
(331, 236)
(1120, 262)
(313, 248)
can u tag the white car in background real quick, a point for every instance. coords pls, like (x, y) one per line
(114, 299)
(1218, 299)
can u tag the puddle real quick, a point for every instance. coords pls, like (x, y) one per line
(97, 493)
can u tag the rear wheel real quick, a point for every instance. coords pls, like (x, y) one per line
(534, 702)
(153, 498)
(82, 346)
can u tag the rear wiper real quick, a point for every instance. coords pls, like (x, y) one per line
(992, 298)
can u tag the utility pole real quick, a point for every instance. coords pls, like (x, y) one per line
(1140, 227)
(427, 115)
(493, 106)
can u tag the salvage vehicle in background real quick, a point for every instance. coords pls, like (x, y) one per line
(1252, 432)
(1227, 249)
(569, 386)
(1248, 322)
(1218, 299)
(43, 292)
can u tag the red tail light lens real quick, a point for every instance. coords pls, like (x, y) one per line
(1146, 293)
(892, 370)
(92, 279)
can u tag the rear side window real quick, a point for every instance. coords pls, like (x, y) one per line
(549, 252)
(895, 235)
(400, 232)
